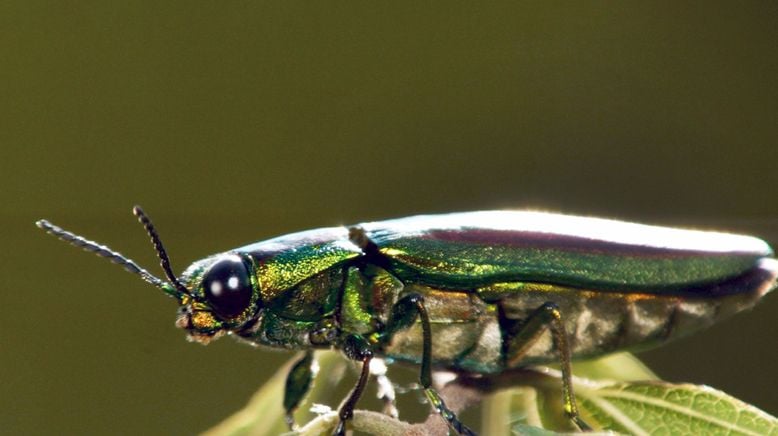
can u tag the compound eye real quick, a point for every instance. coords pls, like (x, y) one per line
(227, 287)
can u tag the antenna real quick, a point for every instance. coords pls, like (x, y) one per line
(164, 261)
(174, 288)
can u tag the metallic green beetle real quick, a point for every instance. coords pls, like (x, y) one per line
(505, 289)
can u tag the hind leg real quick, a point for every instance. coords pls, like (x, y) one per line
(521, 336)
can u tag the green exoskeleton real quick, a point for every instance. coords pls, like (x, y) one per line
(478, 292)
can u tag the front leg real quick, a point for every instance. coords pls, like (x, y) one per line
(298, 383)
(355, 347)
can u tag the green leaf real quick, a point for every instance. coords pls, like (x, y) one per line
(264, 414)
(655, 407)
(646, 406)
(617, 367)
(529, 402)
(536, 402)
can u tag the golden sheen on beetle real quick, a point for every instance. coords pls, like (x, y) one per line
(475, 292)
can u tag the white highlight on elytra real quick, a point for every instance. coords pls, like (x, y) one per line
(585, 227)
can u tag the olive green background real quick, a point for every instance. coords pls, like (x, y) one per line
(232, 122)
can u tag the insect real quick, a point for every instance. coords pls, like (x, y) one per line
(476, 292)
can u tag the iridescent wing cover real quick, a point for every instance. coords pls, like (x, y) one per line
(472, 249)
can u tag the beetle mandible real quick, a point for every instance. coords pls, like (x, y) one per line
(512, 288)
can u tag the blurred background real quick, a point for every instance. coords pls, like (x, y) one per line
(237, 122)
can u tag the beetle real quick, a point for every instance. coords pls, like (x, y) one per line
(506, 289)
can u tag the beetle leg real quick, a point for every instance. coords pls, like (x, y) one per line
(355, 347)
(522, 336)
(298, 382)
(403, 315)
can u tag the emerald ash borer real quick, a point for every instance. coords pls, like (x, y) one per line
(474, 292)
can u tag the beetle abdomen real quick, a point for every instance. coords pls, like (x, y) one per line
(472, 333)
(603, 322)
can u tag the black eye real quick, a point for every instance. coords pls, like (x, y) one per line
(227, 287)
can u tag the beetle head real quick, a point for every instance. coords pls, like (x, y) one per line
(223, 296)
(218, 295)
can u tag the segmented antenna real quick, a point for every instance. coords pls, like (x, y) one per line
(102, 251)
(164, 261)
